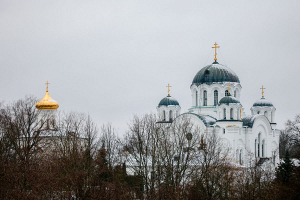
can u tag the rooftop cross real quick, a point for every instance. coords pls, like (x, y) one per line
(262, 91)
(229, 89)
(47, 86)
(215, 47)
(168, 88)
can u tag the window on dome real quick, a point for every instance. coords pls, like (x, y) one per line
(226, 93)
(258, 112)
(231, 113)
(170, 116)
(235, 93)
(216, 97)
(266, 114)
(204, 98)
(206, 75)
(164, 115)
(224, 113)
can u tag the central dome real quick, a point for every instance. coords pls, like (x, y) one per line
(215, 73)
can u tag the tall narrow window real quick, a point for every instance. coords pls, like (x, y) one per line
(231, 113)
(224, 113)
(266, 114)
(226, 93)
(171, 115)
(234, 93)
(196, 93)
(263, 148)
(255, 145)
(164, 115)
(216, 97)
(204, 98)
(241, 157)
(258, 146)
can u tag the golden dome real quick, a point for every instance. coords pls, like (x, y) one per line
(46, 102)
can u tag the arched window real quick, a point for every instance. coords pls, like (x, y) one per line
(226, 93)
(170, 116)
(206, 75)
(263, 149)
(164, 115)
(204, 98)
(231, 113)
(241, 157)
(224, 113)
(258, 112)
(258, 146)
(255, 147)
(196, 93)
(237, 155)
(216, 97)
(271, 117)
(234, 93)
(266, 114)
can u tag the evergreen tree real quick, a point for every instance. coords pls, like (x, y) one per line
(285, 169)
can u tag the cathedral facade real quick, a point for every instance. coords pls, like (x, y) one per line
(216, 106)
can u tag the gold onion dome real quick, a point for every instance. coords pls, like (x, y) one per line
(47, 102)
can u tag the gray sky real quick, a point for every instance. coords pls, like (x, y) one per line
(113, 59)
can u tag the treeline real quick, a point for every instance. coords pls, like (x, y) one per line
(70, 158)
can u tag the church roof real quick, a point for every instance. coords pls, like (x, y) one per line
(168, 101)
(249, 120)
(228, 99)
(215, 73)
(263, 102)
(206, 119)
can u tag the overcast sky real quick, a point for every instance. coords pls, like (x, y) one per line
(113, 59)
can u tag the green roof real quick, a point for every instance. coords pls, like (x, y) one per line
(168, 101)
(263, 102)
(215, 73)
(228, 99)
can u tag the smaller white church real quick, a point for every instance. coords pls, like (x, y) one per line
(216, 106)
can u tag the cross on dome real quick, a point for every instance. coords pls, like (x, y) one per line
(215, 47)
(47, 86)
(168, 89)
(262, 90)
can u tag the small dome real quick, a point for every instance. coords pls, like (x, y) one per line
(168, 101)
(46, 103)
(215, 73)
(262, 102)
(228, 99)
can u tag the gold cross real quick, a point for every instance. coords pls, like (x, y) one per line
(262, 90)
(168, 88)
(229, 88)
(216, 50)
(47, 86)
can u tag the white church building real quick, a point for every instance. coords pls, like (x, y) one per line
(216, 92)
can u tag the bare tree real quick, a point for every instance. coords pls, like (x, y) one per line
(111, 143)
